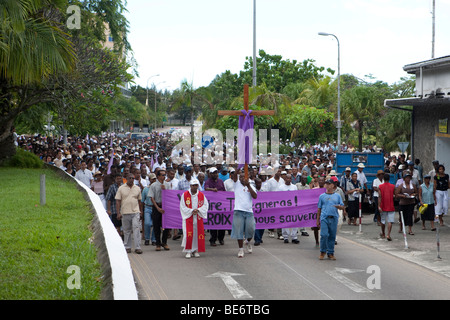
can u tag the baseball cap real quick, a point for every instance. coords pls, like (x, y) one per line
(194, 181)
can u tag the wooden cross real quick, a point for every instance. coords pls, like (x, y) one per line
(239, 113)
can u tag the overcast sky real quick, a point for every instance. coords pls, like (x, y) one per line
(198, 39)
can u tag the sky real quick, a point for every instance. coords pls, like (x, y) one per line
(199, 39)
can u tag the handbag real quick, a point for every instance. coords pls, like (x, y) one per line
(423, 208)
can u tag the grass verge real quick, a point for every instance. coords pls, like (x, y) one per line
(39, 243)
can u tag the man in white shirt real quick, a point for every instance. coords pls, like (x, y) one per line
(289, 232)
(84, 175)
(376, 183)
(160, 164)
(361, 176)
(274, 183)
(243, 219)
(363, 180)
(231, 182)
(173, 182)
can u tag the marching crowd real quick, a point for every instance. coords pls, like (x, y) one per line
(107, 164)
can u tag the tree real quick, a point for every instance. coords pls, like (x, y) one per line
(43, 63)
(33, 46)
(308, 123)
(320, 93)
(277, 73)
(363, 106)
(395, 125)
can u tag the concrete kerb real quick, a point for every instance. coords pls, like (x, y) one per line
(119, 283)
(421, 246)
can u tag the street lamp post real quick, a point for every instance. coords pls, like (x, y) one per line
(146, 100)
(155, 99)
(338, 124)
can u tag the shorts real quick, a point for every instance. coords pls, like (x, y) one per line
(243, 225)
(387, 216)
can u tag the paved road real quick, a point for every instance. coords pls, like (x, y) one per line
(366, 268)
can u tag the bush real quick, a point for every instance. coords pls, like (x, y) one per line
(23, 159)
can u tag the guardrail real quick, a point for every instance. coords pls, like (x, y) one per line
(118, 275)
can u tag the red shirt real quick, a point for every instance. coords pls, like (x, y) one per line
(387, 196)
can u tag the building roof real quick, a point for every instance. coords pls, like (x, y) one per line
(419, 102)
(427, 64)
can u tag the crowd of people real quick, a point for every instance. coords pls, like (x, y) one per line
(107, 163)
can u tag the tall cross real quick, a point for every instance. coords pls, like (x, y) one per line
(239, 113)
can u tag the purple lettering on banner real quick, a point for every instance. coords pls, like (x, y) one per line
(272, 210)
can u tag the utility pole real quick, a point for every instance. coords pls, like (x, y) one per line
(254, 43)
(433, 29)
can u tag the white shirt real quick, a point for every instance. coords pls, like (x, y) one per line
(286, 187)
(361, 178)
(174, 184)
(376, 183)
(274, 185)
(85, 177)
(157, 165)
(243, 200)
(229, 184)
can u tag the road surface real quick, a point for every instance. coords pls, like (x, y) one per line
(279, 271)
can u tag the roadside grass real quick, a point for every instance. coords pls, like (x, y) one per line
(39, 243)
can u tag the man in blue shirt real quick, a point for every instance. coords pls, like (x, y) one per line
(327, 219)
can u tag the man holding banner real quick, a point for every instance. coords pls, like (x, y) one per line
(193, 208)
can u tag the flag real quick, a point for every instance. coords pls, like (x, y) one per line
(111, 161)
(152, 162)
(245, 138)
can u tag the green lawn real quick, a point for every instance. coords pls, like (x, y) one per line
(38, 243)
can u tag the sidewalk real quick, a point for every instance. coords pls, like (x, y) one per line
(422, 246)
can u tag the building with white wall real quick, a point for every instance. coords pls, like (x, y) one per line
(430, 114)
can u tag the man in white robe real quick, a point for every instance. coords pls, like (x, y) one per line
(193, 204)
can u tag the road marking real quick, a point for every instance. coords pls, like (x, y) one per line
(308, 282)
(233, 286)
(338, 274)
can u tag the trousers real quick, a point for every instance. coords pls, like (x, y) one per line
(328, 229)
(441, 202)
(131, 230)
(157, 225)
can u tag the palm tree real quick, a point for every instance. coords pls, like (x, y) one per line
(320, 93)
(362, 105)
(32, 45)
(32, 48)
(396, 127)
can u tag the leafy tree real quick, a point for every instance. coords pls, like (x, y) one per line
(277, 73)
(309, 123)
(395, 127)
(43, 63)
(33, 46)
(362, 105)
